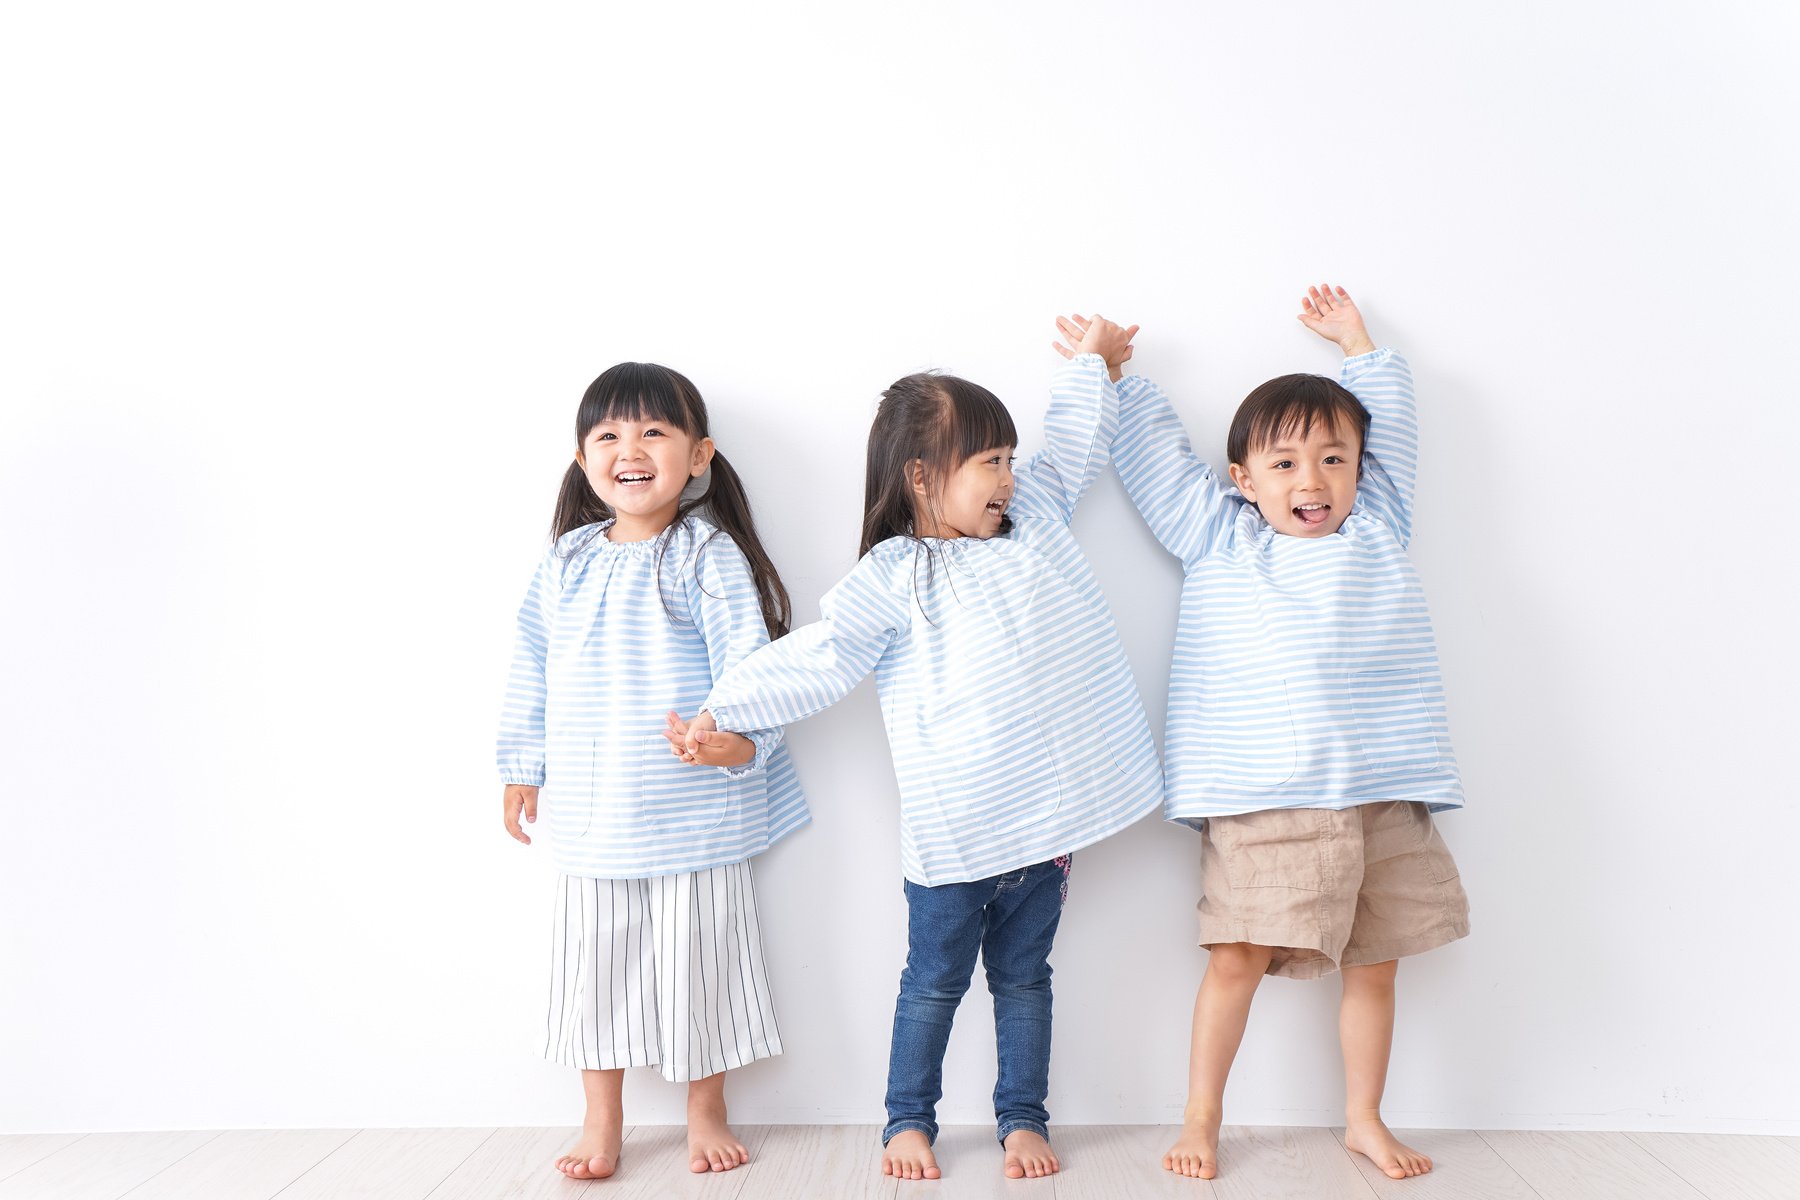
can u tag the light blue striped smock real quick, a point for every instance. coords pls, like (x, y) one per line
(1305, 674)
(1016, 729)
(598, 663)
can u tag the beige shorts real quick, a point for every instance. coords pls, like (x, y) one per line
(1330, 888)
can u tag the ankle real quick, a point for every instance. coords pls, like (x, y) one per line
(1202, 1114)
(1362, 1115)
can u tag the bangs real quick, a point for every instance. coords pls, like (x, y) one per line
(1293, 406)
(973, 420)
(641, 392)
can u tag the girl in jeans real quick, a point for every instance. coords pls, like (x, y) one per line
(971, 598)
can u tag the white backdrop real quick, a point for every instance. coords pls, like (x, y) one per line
(299, 305)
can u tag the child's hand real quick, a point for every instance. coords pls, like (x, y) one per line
(700, 742)
(1336, 319)
(519, 797)
(1098, 336)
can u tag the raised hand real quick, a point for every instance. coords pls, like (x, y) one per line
(699, 742)
(1333, 315)
(520, 798)
(1097, 336)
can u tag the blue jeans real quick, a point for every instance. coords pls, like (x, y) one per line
(1011, 919)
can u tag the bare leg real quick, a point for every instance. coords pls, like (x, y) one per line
(711, 1144)
(1221, 1010)
(596, 1155)
(1366, 1029)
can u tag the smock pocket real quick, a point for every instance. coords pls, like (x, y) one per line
(572, 782)
(1393, 721)
(670, 794)
(990, 778)
(1247, 727)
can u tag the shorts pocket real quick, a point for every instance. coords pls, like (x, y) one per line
(1248, 731)
(1282, 847)
(1393, 721)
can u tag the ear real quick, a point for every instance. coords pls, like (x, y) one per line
(703, 452)
(915, 474)
(581, 460)
(1241, 477)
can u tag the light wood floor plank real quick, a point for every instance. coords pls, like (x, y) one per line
(1275, 1162)
(971, 1160)
(839, 1161)
(518, 1164)
(1726, 1166)
(243, 1164)
(654, 1166)
(20, 1150)
(1587, 1166)
(1463, 1167)
(1121, 1162)
(388, 1164)
(101, 1166)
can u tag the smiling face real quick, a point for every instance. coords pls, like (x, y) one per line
(1304, 483)
(638, 468)
(969, 502)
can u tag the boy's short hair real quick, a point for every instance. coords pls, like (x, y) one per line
(1293, 404)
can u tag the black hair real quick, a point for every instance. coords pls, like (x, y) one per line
(648, 392)
(1293, 404)
(936, 420)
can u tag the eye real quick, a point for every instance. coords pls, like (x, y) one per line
(605, 437)
(653, 432)
(1283, 465)
(1334, 460)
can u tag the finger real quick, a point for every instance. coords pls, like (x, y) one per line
(1126, 357)
(1062, 349)
(1325, 292)
(1069, 330)
(531, 809)
(1131, 333)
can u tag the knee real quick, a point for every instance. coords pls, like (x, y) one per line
(1239, 962)
(1376, 977)
(941, 987)
(1013, 983)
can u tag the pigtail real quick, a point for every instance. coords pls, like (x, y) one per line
(576, 504)
(727, 506)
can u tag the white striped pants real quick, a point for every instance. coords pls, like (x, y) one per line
(665, 972)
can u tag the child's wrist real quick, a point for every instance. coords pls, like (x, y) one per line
(1360, 344)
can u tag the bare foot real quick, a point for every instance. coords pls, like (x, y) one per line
(1028, 1155)
(711, 1144)
(908, 1156)
(1372, 1139)
(1196, 1152)
(596, 1155)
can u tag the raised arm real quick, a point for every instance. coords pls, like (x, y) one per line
(1382, 381)
(1189, 509)
(1079, 426)
(817, 665)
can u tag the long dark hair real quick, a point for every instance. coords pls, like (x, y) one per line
(937, 420)
(648, 392)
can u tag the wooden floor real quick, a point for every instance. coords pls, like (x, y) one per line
(836, 1162)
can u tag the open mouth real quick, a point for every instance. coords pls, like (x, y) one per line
(997, 507)
(633, 478)
(1312, 514)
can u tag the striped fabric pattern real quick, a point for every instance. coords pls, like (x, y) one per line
(1015, 725)
(607, 645)
(1305, 673)
(665, 972)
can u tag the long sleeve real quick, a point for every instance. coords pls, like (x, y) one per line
(723, 598)
(1188, 508)
(1078, 427)
(1382, 380)
(520, 748)
(815, 666)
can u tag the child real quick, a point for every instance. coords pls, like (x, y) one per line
(1015, 725)
(1306, 735)
(649, 593)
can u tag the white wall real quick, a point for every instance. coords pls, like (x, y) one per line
(299, 307)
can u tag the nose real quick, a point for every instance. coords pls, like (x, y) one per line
(1006, 476)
